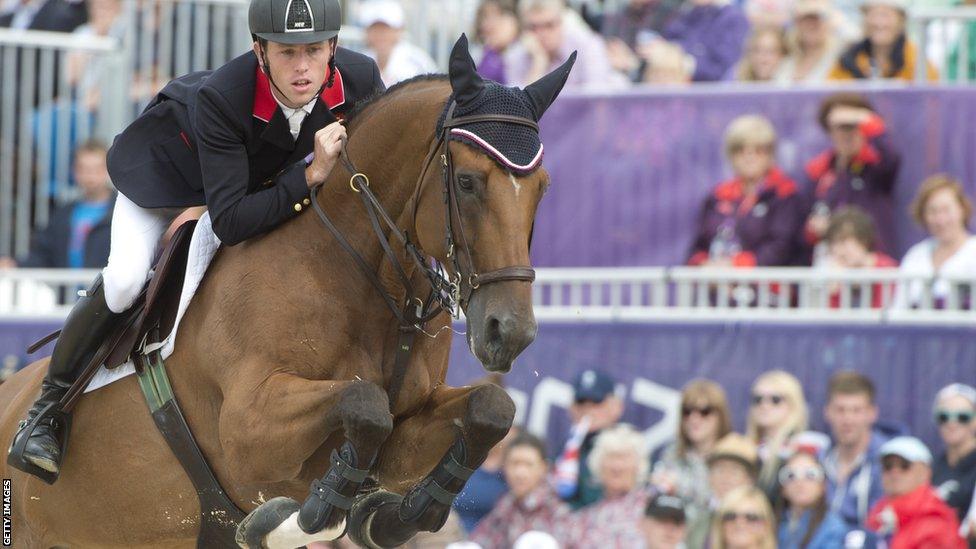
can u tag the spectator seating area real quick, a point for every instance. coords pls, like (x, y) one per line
(756, 284)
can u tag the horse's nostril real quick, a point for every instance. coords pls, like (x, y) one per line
(494, 330)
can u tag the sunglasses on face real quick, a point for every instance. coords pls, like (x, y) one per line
(775, 400)
(945, 416)
(703, 411)
(892, 462)
(751, 518)
(791, 474)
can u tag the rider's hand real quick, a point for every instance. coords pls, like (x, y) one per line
(328, 145)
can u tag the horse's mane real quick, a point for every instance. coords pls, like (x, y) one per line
(376, 97)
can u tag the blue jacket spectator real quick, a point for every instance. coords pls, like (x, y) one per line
(712, 33)
(851, 463)
(78, 234)
(50, 15)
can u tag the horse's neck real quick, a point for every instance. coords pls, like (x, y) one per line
(389, 143)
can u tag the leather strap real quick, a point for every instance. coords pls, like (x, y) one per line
(457, 470)
(328, 495)
(438, 492)
(347, 471)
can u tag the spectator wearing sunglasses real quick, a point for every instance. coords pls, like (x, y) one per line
(911, 515)
(744, 521)
(778, 411)
(954, 471)
(804, 518)
(851, 463)
(681, 467)
(733, 463)
(595, 407)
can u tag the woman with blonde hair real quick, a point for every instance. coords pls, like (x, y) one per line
(681, 468)
(744, 521)
(777, 411)
(753, 218)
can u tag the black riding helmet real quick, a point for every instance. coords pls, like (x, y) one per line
(294, 21)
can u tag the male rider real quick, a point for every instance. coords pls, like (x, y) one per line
(236, 140)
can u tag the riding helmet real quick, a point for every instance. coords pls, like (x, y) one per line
(294, 21)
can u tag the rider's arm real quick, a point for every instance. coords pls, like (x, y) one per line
(238, 216)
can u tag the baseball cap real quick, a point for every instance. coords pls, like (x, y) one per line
(592, 385)
(666, 507)
(389, 12)
(534, 539)
(808, 442)
(967, 392)
(908, 448)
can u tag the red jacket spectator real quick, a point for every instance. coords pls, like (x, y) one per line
(917, 520)
(878, 291)
(868, 181)
(761, 225)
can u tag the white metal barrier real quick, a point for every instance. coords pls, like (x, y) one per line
(944, 34)
(676, 294)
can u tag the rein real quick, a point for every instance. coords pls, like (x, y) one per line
(445, 294)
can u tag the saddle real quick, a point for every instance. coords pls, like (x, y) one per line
(153, 313)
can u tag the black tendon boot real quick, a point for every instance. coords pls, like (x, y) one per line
(333, 494)
(40, 442)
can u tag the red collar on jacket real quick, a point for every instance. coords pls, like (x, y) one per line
(776, 181)
(265, 104)
(824, 162)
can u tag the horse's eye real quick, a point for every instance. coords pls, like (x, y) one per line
(466, 182)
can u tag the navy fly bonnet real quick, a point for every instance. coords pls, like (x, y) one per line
(517, 148)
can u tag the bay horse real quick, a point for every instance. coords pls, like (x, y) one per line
(286, 354)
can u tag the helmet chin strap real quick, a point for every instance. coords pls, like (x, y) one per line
(266, 68)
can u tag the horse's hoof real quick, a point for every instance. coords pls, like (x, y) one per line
(261, 521)
(361, 516)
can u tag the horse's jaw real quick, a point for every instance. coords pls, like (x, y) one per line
(500, 325)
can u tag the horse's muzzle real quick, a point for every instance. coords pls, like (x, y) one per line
(499, 328)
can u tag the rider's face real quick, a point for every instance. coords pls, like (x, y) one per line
(298, 70)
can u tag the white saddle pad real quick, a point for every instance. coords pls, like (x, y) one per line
(203, 246)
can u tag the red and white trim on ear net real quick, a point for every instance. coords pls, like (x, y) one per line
(533, 164)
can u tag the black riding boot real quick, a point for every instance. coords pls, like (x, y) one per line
(84, 329)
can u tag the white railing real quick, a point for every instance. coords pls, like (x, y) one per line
(678, 294)
(939, 32)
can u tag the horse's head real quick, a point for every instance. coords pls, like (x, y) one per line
(491, 182)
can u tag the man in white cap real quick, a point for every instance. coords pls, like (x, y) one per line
(398, 59)
(911, 515)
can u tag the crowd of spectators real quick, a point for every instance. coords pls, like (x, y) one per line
(865, 483)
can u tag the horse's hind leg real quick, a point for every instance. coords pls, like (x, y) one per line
(466, 421)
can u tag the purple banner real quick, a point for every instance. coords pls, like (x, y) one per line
(652, 361)
(630, 171)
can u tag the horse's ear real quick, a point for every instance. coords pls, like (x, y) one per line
(543, 91)
(465, 80)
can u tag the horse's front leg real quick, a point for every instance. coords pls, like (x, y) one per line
(446, 441)
(270, 431)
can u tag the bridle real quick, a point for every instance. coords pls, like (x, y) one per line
(446, 294)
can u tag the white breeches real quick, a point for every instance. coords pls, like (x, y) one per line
(135, 236)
